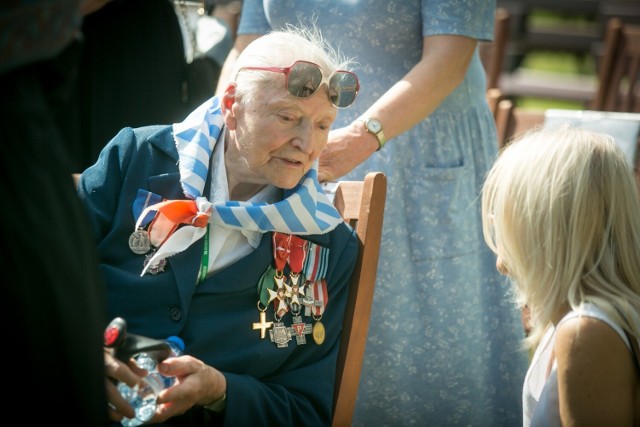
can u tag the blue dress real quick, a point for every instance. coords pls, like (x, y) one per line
(444, 338)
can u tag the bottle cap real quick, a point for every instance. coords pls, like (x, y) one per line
(177, 341)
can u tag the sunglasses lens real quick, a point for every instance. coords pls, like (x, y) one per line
(343, 88)
(304, 79)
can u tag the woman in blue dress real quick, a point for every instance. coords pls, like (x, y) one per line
(444, 338)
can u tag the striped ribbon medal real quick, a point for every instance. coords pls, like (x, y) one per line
(317, 296)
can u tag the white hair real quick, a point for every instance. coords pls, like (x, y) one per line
(281, 48)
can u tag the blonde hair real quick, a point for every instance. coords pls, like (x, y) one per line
(560, 207)
(281, 48)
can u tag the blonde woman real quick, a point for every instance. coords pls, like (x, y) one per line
(561, 212)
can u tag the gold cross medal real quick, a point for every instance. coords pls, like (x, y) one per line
(263, 325)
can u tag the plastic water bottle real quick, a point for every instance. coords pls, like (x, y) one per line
(142, 397)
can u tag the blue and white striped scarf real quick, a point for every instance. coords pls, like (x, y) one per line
(304, 209)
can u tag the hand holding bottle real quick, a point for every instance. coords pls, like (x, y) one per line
(194, 382)
(143, 355)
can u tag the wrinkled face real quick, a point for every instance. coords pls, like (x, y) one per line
(276, 137)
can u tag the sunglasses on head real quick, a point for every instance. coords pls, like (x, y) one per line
(303, 79)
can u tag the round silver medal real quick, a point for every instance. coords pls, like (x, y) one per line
(139, 242)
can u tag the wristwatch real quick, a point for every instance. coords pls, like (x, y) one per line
(375, 127)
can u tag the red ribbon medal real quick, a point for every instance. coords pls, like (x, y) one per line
(281, 251)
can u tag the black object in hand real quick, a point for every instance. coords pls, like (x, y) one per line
(127, 345)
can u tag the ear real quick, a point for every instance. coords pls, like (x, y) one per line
(229, 97)
(228, 101)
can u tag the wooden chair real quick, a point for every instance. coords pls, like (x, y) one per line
(492, 54)
(503, 114)
(361, 204)
(512, 121)
(619, 69)
(494, 96)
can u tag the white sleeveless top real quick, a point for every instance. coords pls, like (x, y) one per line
(540, 393)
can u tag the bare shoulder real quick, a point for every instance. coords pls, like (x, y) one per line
(588, 340)
(597, 382)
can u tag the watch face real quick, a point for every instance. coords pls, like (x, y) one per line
(373, 125)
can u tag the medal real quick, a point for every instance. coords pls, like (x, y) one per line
(280, 334)
(139, 242)
(263, 325)
(297, 255)
(307, 301)
(300, 329)
(320, 297)
(279, 294)
(156, 268)
(318, 332)
(304, 287)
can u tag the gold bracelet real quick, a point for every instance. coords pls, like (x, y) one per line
(217, 405)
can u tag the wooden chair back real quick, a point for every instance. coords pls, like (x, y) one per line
(619, 69)
(492, 54)
(361, 204)
(512, 121)
(494, 96)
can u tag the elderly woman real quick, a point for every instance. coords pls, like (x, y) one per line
(216, 230)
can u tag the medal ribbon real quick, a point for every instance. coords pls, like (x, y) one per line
(281, 250)
(297, 253)
(316, 262)
(321, 297)
(142, 201)
(164, 233)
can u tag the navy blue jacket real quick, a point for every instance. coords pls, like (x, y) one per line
(266, 385)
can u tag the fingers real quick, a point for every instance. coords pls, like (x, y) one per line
(180, 366)
(323, 176)
(119, 371)
(185, 392)
(197, 383)
(118, 406)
